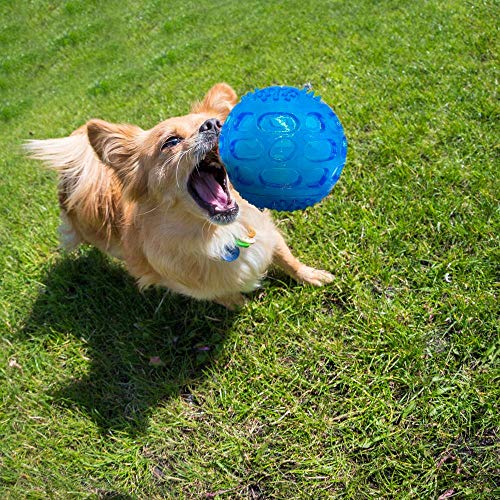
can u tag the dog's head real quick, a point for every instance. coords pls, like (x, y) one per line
(175, 162)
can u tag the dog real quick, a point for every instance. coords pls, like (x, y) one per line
(161, 201)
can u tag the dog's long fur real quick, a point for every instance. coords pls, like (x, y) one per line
(122, 190)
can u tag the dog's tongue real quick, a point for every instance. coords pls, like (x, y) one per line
(211, 191)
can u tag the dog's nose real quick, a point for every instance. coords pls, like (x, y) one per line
(211, 124)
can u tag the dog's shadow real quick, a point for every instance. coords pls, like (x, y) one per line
(137, 349)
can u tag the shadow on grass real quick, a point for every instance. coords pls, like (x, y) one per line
(141, 348)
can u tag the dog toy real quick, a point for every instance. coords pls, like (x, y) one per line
(283, 148)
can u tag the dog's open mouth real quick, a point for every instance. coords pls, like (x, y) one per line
(208, 185)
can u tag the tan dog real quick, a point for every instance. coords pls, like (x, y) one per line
(161, 200)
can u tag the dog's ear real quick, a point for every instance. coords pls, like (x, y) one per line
(117, 146)
(114, 144)
(220, 100)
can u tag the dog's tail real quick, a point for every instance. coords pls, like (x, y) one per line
(82, 177)
(86, 185)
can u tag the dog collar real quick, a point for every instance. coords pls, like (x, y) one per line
(233, 251)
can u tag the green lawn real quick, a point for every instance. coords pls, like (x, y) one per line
(384, 384)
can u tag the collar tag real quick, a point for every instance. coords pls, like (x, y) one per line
(233, 252)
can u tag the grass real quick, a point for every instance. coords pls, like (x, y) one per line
(384, 384)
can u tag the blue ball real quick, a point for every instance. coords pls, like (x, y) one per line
(283, 148)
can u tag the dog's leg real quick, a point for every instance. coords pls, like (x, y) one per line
(68, 235)
(284, 259)
(232, 301)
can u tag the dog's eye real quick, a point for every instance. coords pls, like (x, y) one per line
(170, 142)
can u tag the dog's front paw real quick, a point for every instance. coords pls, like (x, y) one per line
(316, 277)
